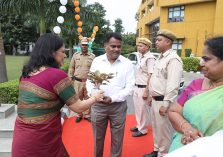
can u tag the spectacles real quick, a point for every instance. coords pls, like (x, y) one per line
(84, 44)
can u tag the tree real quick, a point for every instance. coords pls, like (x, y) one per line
(44, 10)
(3, 73)
(18, 30)
(118, 26)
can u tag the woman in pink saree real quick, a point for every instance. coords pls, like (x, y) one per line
(43, 91)
(198, 111)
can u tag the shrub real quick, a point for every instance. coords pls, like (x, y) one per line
(65, 66)
(9, 92)
(191, 64)
(188, 52)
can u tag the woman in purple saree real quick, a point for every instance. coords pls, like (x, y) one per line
(43, 91)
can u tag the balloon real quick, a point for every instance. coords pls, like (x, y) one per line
(79, 23)
(62, 9)
(76, 3)
(79, 29)
(77, 17)
(57, 29)
(60, 19)
(77, 9)
(80, 37)
(63, 2)
(96, 28)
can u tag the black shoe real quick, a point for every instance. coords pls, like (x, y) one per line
(88, 119)
(153, 154)
(135, 129)
(138, 134)
(78, 119)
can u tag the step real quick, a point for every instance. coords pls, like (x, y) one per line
(5, 147)
(7, 125)
(6, 110)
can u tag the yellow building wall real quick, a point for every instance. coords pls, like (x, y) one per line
(198, 25)
(163, 3)
(218, 25)
(149, 17)
(203, 19)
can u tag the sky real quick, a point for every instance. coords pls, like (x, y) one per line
(123, 9)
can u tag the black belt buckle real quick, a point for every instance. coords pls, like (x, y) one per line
(158, 98)
(140, 86)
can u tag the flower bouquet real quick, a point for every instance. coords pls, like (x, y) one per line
(98, 78)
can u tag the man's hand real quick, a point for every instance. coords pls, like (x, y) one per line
(107, 100)
(145, 95)
(163, 111)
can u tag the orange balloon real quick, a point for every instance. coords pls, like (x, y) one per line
(77, 17)
(79, 23)
(79, 29)
(96, 28)
(80, 37)
(76, 3)
(77, 9)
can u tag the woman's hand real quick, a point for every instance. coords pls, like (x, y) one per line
(190, 135)
(99, 95)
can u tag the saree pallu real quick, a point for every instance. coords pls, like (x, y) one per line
(204, 112)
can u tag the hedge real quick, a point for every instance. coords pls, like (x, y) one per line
(9, 92)
(191, 64)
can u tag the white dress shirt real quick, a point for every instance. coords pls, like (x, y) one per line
(122, 84)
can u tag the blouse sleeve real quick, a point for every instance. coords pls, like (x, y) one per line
(64, 88)
(184, 96)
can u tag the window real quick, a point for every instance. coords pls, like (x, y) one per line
(153, 29)
(151, 8)
(143, 13)
(177, 45)
(176, 14)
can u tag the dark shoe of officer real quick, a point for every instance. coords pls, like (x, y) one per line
(78, 119)
(88, 119)
(153, 154)
(138, 134)
(135, 129)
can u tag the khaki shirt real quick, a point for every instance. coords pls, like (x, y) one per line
(166, 78)
(80, 65)
(144, 68)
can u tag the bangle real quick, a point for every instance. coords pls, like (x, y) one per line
(181, 124)
(94, 97)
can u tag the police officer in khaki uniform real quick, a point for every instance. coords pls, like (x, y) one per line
(163, 87)
(78, 70)
(144, 71)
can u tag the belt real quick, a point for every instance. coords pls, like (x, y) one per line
(79, 79)
(158, 98)
(140, 86)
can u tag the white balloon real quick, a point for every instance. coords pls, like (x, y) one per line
(63, 2)
(62, 9)
(60, 19)
(57, 29)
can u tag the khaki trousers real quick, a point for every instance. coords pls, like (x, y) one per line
(142, 110)
(101, 114)
(80, 88)
(162, 130)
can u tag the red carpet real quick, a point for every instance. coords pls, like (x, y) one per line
(78, 139)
